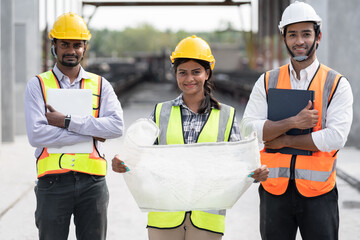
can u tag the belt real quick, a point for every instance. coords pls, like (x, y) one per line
(67, 175)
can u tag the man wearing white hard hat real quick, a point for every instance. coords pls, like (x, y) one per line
(300, 191)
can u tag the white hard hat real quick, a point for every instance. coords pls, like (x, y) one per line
(298, 12)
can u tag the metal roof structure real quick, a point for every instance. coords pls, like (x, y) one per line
(163, 3)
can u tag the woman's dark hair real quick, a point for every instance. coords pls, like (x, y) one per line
(208, 101)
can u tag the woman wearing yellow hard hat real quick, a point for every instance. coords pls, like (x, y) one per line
(192, 117)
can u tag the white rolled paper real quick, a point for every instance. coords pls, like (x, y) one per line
(201, 176)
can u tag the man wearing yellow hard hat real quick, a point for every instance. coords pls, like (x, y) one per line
(71, 183)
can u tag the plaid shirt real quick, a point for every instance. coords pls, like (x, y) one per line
(193, 122)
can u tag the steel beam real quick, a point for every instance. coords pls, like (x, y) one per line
(162, 3)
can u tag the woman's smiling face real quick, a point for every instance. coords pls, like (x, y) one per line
(191, 77)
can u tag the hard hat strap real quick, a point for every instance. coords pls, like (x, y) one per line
(301, 58)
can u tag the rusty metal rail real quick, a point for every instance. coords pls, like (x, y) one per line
(355, 183)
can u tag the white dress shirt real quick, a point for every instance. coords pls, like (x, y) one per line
(109, 124)
(339, 113)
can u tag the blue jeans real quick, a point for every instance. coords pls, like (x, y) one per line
(61, 195)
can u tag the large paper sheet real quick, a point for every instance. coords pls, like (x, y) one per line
(202, 176)
(75, 102)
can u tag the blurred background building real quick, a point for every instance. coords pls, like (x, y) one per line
(241, 54)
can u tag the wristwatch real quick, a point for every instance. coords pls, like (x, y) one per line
(67, 121)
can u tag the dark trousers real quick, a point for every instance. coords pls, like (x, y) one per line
(317, 218)
(59, 196)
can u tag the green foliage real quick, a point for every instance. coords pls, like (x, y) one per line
(146, 38)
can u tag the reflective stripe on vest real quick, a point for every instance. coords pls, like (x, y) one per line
(216, 129)
(57, 163)
(314, 175)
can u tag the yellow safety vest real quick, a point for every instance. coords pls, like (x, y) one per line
(216, 129)
(316, 174)
(57, 163)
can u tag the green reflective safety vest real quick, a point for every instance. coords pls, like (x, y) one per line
(57, 163)
(216, 129)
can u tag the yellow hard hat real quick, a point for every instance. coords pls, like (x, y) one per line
(70, 26)
(193, 47)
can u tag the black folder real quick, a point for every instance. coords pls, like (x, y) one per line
(285, 103)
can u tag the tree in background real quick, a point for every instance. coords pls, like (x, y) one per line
(146, 38)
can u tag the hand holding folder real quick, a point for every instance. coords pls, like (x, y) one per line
(285, 103)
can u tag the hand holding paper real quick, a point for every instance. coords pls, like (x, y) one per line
(54, 117)
(186, 177)
(261, 173)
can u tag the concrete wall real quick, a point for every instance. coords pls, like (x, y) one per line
(321, 7)
(7, 77)
(27, 53)
(0, 83)
(21, 57)
(339, 48)
(344, 52)
(227, 57)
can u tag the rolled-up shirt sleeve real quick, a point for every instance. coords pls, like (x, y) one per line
(338, 120)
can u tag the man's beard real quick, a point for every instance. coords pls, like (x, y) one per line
(70, 64)
(309, 53)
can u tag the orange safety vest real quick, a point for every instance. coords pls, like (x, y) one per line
(316, 174)
(57, 163)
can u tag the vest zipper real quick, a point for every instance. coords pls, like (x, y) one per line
(292, 167)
